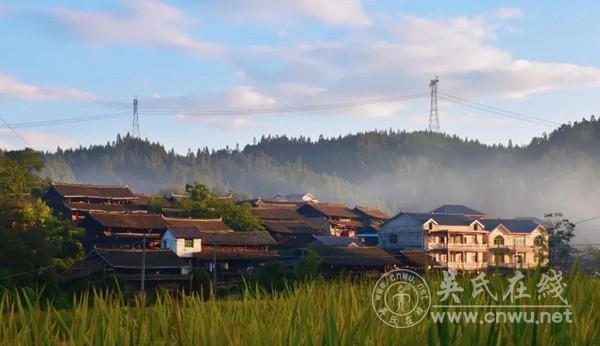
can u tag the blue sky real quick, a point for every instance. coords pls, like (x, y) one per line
(65, 59)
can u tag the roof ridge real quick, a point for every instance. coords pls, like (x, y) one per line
(56, 183)
(189, 218)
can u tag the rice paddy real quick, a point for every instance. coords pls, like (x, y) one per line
(316, 313)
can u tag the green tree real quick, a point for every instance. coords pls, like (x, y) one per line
(560, 233)
(307, 268)
(34, 245)
(203, 203)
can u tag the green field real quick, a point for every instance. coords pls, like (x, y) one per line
(318, 313)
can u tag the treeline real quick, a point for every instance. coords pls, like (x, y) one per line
(393, 170)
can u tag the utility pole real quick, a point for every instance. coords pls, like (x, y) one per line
(143, 279)
(434, 119)
(215, 265)
(135, 129)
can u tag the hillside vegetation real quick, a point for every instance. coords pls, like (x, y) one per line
(393, 170)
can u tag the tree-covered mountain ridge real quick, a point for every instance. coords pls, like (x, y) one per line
(391, 169)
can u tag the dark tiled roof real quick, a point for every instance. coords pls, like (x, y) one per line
(276, 214)
(539, 221)
(441, 219)
(201, 224)
(154, 221)
(131, 221)
(185, 232)
(371, 212)
(237, 255)
(292, 227)
(155, 259)
(356, 256)
(457, 209)
(147, 200)
(332, 210)
(513, 225)
(267, 203)
(103, 207)
(321, 241)
(94, 191)
(237, 238)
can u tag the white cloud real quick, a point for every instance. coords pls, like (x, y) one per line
(459, 49)
(146, 22)
(246, 97)
(330, 12)
(10, 86)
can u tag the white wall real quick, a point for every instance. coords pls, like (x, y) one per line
(178, 245)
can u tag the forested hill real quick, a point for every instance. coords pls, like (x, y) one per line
(390, 169)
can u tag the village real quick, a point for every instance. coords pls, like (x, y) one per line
(124, 236)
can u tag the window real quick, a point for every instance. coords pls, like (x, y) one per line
(393, 239)
(520, 241)
(539, 241)
(430, 226)
(476, 227)
(189, 242)
(499, 240)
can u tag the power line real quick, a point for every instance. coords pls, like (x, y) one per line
(287, 109)
(14, 131)
(586, 220)
(67, 120)
(497, 111)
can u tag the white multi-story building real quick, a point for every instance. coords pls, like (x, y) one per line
(462, 242)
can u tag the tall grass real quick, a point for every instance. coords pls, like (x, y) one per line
(318, 313)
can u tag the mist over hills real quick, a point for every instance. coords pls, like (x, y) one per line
(393, 170)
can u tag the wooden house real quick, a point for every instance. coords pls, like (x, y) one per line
(343, 222)
(162, 269)
(288, 227)
(356, 261)
(70, 200)
(106, 230)
(236, 253)
(186, 240)
(370, 215)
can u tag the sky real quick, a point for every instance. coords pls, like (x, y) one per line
(202, 69)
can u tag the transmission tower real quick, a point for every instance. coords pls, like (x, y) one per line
(135, 129)
(434, 119)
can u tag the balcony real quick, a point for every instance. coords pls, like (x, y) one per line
(436, 246)
(456, 246)
(467, 246)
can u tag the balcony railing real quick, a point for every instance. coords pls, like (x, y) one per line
(466, 265)
(456, 246)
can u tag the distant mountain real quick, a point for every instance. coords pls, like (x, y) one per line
(389, 169)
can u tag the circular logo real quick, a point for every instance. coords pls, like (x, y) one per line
(401, 298)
